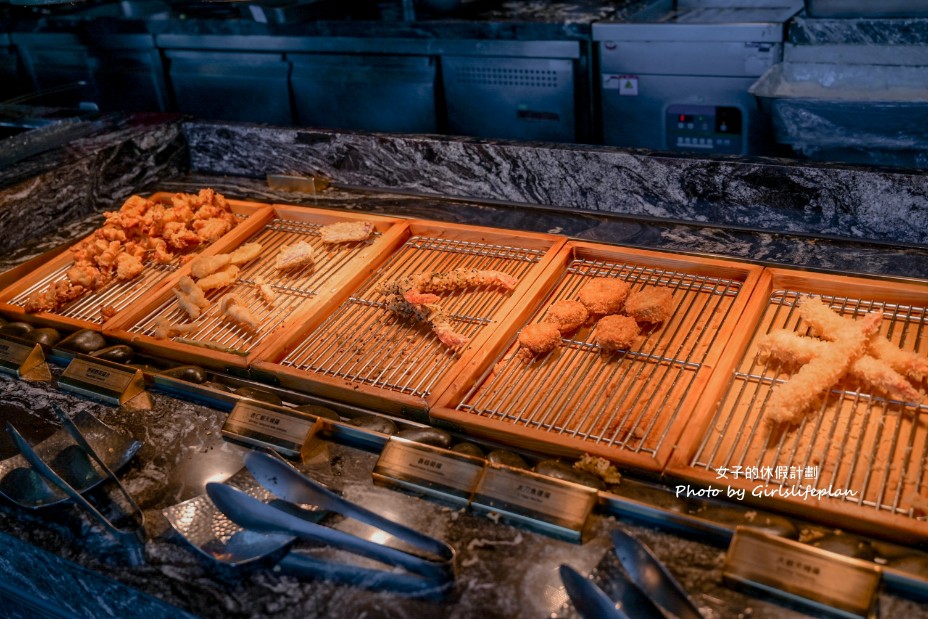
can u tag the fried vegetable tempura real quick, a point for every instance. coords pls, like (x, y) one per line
(236, 311)
(204, 266)
(567, 316)
(604, 295)
(190, 297)
(616, 332)
(294, 256)
(245, 253)
(346, 231)
(165, 329)
(220, 279)
(653, 305)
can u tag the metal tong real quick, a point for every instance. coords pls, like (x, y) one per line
(284, 516)
(647, 591)
(131, 536)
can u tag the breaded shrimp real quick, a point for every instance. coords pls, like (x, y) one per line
(604, 295)
(789, 402)
(653, 305)
(458, 279)
(567, 315)
(793, 349)
(615, 332)
(433, 315)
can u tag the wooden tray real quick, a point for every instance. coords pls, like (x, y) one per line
(221, 344)
(629, 407)
(84, 312)
(364, 354)
(856, 441)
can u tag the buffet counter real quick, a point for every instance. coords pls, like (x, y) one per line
(760, 214)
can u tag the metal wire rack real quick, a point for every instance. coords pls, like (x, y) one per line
(364, 342)
(627, 399)
(861, 447)
(292, 288)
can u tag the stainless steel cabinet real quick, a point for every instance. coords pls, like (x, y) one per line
(529, 95)
(365, 92)
(225, 85)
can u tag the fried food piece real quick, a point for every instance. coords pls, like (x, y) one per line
(600, 467)
(245, 253)
(790, 401)
(604, 295)
(346, 231)
(294, 256)
(220, 279)
(793, 349)
(539, 338)
(108, 311)
(165, 329)
(190, 297)
(653, 305)
(82, 273)
(457, 279)
(212, 229)
(204, 266)
(265, 292)
(567, 315)
(907, 363)
(615, 332)
(53, 297)
(127, 266)
(236, 311)
(433, 315)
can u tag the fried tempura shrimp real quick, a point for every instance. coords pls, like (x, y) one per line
(615, 332)
(567, 315)
(433, 315)
(604, 295)
(539, 338)
(653, 305)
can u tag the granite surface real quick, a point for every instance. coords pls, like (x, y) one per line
(807, 30)
(40, 195)
(774, 196)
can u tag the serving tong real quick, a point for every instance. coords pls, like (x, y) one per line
(429, 571)
(645, 591)
(132, 535)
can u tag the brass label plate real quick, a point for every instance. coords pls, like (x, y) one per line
(280, 429)
(427, 468)
(104, 380)
(535, 498)
(18, 358)
(840, 585)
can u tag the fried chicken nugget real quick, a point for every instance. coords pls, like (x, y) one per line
(567, 315)
(604, 295)
(653, 305)
(539, 338)
(616, 332)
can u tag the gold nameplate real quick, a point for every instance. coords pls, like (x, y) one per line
(108, 381)
(555, 506)
(826, 581)
(265, 425)
(19, 358)
(428, 470)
